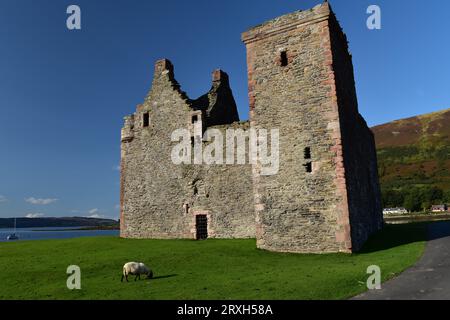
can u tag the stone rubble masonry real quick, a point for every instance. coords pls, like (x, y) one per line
(312, 101)
(301, 82)
(160, 199)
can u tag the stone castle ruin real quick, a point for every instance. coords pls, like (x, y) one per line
(325, 196)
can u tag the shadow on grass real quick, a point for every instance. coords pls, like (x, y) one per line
(164, 277)
(394, 235)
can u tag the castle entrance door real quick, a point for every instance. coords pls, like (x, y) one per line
(201, 226)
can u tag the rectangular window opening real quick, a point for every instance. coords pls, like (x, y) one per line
(146, 120)
(307, 153)
(194, 119)
(283, 58)
(308, 167)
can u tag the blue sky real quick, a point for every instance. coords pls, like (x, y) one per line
(63, 94)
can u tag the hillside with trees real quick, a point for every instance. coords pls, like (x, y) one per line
(414, 161)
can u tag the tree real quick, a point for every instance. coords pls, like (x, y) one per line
(446, 196)
(412, 200)
(391, 198)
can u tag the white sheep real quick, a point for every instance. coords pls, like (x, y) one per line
(136, 268)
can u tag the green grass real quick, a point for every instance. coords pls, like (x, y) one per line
(212, 269)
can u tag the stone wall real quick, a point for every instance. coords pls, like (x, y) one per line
(361, 172)
(218, 103)
(160, 199)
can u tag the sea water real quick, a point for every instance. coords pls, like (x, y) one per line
(42, 233)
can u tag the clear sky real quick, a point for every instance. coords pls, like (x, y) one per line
(63, 94)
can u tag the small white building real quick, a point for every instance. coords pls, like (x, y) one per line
(439, 208)
(388, 211)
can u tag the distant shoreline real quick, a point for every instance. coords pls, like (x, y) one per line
(57, 222)
(416, 218)
(80, 229)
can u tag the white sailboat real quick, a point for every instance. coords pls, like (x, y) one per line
(13, 236)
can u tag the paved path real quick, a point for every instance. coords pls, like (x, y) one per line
(428, 279)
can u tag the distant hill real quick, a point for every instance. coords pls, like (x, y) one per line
(56, 222)
(415, 153)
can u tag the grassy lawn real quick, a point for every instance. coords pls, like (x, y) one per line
(212, 269)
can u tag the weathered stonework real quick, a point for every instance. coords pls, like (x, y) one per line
(160, 199)
(325, 197)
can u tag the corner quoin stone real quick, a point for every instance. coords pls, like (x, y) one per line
(325, 197)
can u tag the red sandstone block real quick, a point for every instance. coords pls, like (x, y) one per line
(340, 237)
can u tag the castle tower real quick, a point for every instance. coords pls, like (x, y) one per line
(325, 197)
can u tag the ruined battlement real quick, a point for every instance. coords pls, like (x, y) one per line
(216, 107)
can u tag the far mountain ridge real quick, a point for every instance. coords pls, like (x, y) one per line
(56, 222)
(431, 127)
(414, 153)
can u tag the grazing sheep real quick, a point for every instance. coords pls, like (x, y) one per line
(136, 268)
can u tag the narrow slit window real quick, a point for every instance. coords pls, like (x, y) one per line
(307, 153)
(192, 140)
(146, 120)
(194, 119)
(283, 58)
(308, 167)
